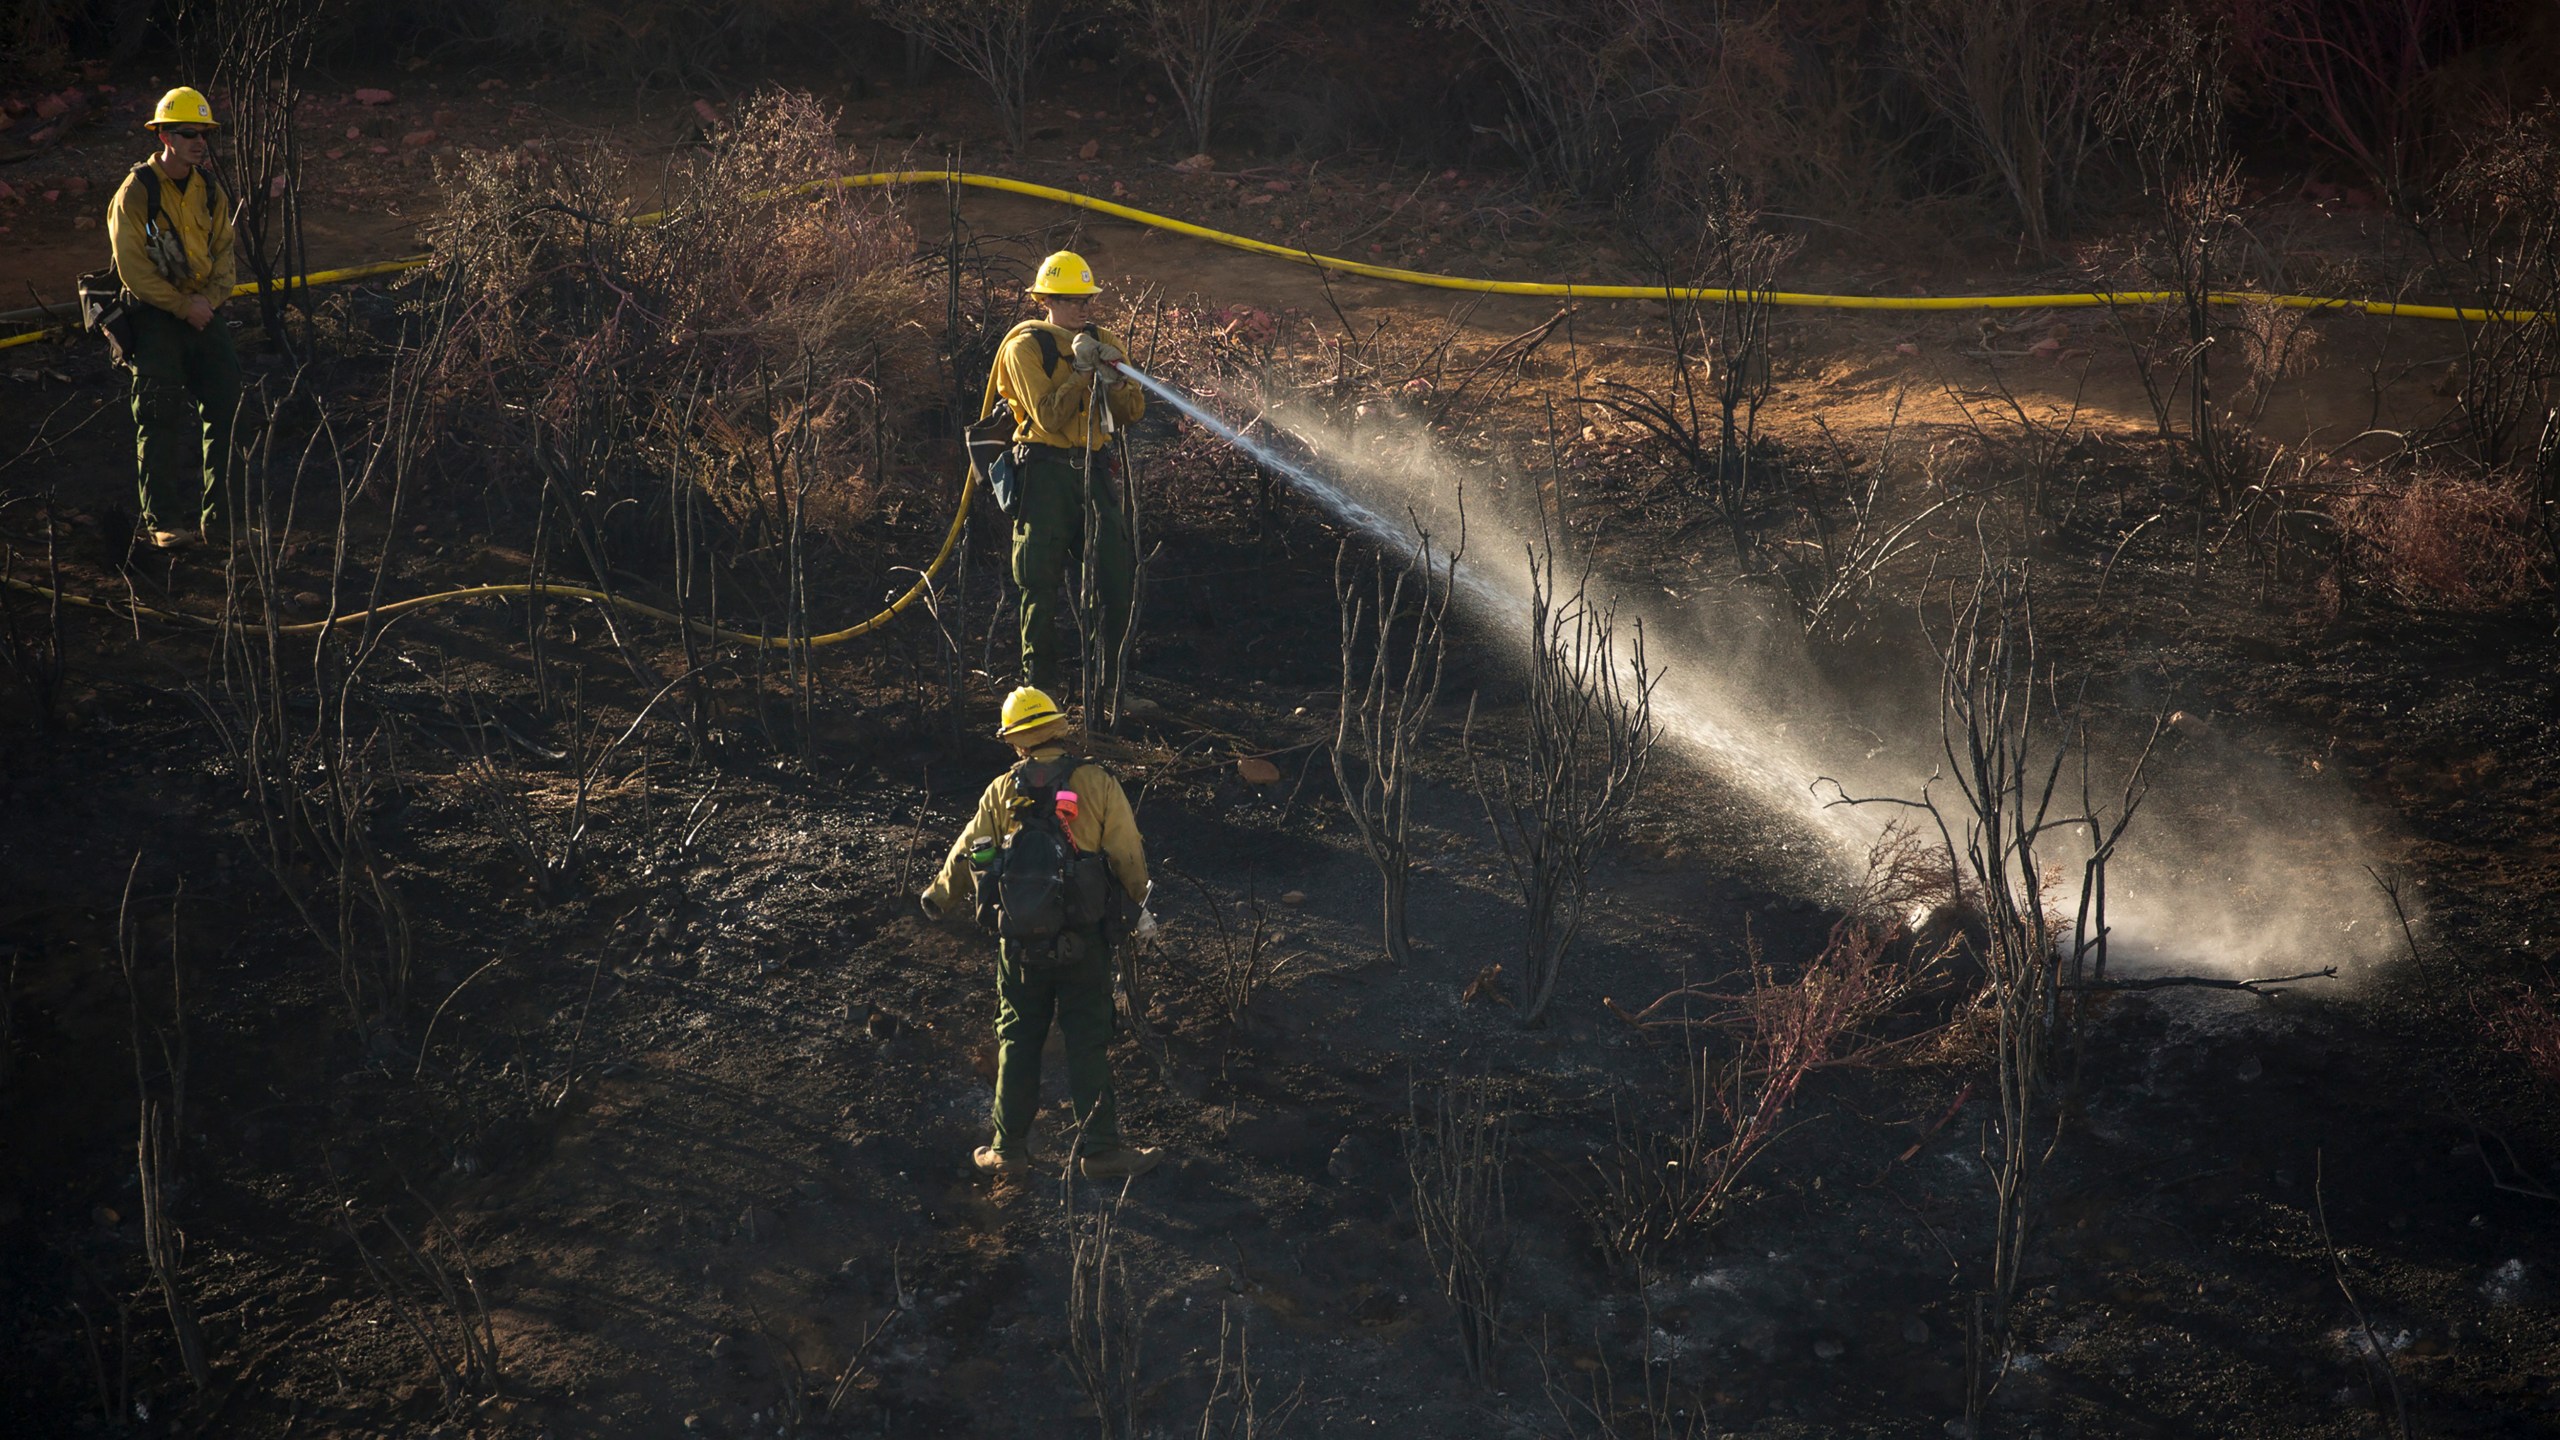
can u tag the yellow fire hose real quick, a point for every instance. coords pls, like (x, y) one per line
(950, 541)
(1561, 290)
(1549, 288)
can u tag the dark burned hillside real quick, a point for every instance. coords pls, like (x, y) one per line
(1724, 867)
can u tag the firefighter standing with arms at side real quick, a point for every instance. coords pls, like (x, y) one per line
(1051, 857)
(1046, 370)
(170, 229)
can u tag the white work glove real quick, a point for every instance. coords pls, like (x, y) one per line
(1092, 353)
(1147, 925)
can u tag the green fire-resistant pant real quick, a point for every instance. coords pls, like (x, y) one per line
(1078, 996)
(1048, 544)
(186, 391)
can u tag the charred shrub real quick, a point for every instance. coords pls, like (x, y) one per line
(755, 305)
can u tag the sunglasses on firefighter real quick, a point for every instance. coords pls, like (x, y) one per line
(185, 132)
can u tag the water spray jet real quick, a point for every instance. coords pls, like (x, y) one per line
(2283, 885)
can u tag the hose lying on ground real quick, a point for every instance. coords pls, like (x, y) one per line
(1553, 288)
(1564, 290)
(950, 542)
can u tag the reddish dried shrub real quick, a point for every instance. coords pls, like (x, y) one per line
(754, 315)
(2459, 541)
(2523, 1022)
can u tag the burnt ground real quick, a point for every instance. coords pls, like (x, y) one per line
(698, 1121)
(695, 1118)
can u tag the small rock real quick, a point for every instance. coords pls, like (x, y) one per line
(1254, 770)
(2251, 1069)
(50, 107)
(1915, 1331)
(1089, 150)
(1293, 897)
(355, 132)
(1829, 1349)
(383, 97)
(77, 185)
(1196, 164)
(1906, 348)
(418, 139)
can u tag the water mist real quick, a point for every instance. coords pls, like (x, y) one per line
(2234, 867)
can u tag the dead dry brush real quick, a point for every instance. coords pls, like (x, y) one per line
(1394, 645)
(2014, 726)
(312, 788)
(1106, 1321)
(1561, 796)
(1457, 1148)
(1704, 423)
(435, 1294)
(751, 345)
(160, 1089)
(1747, 1052)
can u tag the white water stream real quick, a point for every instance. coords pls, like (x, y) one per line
(2235, 867)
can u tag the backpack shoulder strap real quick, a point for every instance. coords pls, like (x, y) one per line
(1048, 351)
(150, 190)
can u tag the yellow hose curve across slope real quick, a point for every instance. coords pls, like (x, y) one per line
(1560, 290)
(950, 542)
(1556, 289)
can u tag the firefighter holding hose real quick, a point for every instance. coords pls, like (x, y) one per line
(1062, 478)
(170, 230)
(1052, 863)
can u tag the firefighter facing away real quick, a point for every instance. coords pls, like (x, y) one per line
(170, 229)
(1051, 861)
(1048, 370)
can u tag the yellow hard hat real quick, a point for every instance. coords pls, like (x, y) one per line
(1064, 273)
(1026, 710)
(185, 105)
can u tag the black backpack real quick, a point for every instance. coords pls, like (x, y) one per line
(1040, 889)
(106, 307)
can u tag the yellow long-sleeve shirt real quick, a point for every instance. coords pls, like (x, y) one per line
(1049, 400)
(1105, 821)
(200, 215)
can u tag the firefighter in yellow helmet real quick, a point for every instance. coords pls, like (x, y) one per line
(1053, 847)
(1047, 370)
(169, 227)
